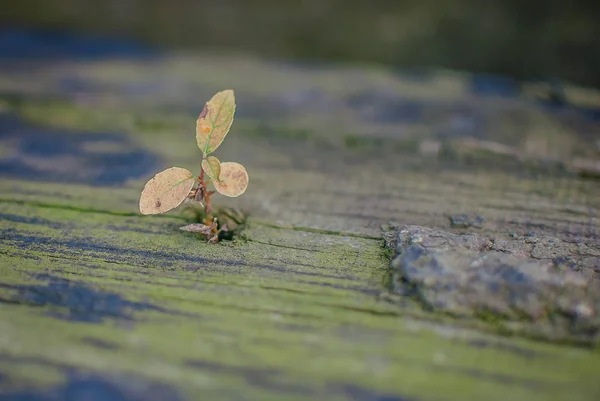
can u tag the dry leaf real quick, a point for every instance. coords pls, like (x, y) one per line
(166, 190)
(233, 179)
(212, 167)
(215, 121)
(197, 228)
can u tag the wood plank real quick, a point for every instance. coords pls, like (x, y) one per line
(298, 306)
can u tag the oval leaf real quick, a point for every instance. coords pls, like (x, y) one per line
(233, 180)
(215, 121)
(166, 190)
(212, 167)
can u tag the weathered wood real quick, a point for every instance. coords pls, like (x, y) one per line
(298, 306)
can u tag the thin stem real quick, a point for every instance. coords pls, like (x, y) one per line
(209, 220)
(205, 195)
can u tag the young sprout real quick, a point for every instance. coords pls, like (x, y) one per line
(171, 187)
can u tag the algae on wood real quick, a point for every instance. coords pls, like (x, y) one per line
(301, 304)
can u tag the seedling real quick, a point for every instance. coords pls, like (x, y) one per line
(171, 187)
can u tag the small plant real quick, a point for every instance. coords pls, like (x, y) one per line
(171, 187)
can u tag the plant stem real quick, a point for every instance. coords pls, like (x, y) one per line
(205, 195)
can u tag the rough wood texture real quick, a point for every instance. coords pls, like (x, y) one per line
(95, 296)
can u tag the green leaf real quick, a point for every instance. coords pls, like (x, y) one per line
(166, 190)
(214, 121)
(212, 167)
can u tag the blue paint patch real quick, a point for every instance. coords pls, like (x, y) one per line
(98, 388)
(274, 380)
(95, 387)
(98, 343)
(82, 303)
(270, 379)
(49, 155)
(361, 394)
(519, 351)
(380, 107)
(494, 85)
(29, 220)
(589, 113)
(52, 44)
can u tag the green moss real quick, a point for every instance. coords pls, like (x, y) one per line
(297, 306)
(406, 146)
(60, 113)
(294, 306)
(22, 374)
(337, 354)
(359, 142)
(272, 132)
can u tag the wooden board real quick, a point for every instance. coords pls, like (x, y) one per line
(96, 297)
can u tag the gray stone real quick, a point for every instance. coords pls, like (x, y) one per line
(528, 285)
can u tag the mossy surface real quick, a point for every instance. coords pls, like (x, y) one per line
(297, 306)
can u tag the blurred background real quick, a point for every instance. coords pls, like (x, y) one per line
(528, 40)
